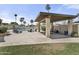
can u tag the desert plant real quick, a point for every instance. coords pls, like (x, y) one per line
(3, 29)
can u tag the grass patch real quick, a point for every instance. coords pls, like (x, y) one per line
(42, 49)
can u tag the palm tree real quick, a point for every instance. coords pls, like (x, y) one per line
(0, 21)
(15, 17)
(24, 22)
(31, 21)
(21, 20)
(48, 7)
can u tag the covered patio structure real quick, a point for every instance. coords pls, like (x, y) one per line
(49, 18)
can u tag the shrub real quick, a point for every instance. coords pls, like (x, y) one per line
(74, 34)
(43, 28)
(3, 29)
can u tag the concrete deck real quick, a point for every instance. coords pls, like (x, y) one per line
(59, 36)
(35, 38)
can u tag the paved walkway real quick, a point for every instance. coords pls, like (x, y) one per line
(58, 36)
(34, 38)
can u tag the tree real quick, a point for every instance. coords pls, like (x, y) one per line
(48, 7)
(5, 23)
(0, 21)
(13, 23)
(15, 17)
(21, 20)
(31, 21)
(24, 22)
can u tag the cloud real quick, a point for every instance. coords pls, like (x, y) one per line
(6, 20)
(4, 16)
(74, 6)
(68, 9)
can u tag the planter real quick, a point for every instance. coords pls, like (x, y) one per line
(2, 37)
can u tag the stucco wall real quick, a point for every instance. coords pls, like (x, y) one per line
(62, 28)
(75, 28)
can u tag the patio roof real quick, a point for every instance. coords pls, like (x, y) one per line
(54, 17)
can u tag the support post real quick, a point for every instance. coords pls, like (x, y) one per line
(52, 27)
(48, 26)
(38, 27)
(70, 27)
(78, 26)
(78, 29)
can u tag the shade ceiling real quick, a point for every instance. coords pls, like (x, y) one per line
(54, 17)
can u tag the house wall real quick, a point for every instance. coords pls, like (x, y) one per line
(75, 28)
(62, 28)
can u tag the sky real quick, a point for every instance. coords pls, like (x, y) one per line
(31, 11)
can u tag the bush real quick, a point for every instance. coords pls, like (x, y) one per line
(3, 29)
(43, 28)
(74, 34)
